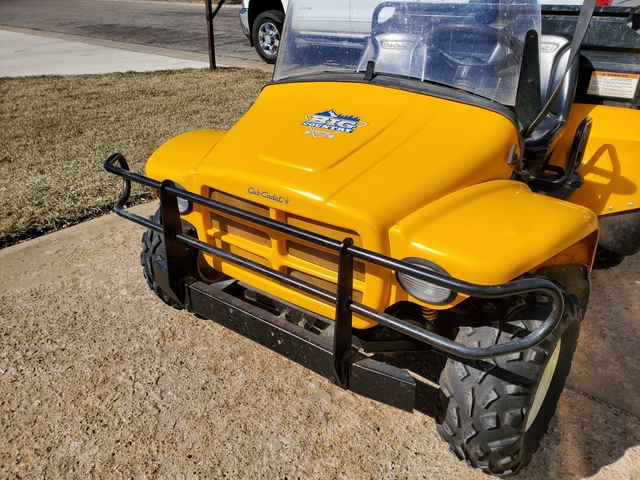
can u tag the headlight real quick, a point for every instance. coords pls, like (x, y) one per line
(184, 205)
(425, 291)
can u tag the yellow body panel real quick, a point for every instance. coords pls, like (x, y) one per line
(178, 158)
(611, 165)
(405, 153)
(406, 156)
(492, 232)
(417, 176)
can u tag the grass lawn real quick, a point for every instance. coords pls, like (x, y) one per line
(56, 132)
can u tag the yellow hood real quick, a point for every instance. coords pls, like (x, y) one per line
(356, 155)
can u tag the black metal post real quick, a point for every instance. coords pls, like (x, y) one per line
(210, 16)
(342, 328)
(176, 251)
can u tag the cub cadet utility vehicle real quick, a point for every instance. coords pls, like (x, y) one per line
(442, 184)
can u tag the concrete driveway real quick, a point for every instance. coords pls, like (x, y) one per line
(98, 377)
(25, 52)
(68, 37)
(166, 25)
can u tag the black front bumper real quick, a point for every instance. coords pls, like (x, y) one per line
(337, 357)
(372, 379)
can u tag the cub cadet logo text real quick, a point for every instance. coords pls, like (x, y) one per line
(319, 123)
(268, 196)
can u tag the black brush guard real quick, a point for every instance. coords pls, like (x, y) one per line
(339, 359)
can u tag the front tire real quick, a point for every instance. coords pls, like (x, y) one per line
(153, 248)
(266, 34)
(494, 412)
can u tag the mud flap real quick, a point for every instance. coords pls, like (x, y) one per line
(620, 232)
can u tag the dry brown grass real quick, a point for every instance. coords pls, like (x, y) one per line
(57, 131)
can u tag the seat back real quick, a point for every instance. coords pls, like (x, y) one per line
(554, 54)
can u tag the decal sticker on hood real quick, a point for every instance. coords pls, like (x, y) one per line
(327, 124)
(268, 196)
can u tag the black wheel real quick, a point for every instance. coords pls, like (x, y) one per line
(494, 413)
(606, 258)
(266, 33)
(153, 248)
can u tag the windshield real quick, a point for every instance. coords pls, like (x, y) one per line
(475, 46)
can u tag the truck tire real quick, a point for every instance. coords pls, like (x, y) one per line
(153, 248)
(266, 33)
(494, 413)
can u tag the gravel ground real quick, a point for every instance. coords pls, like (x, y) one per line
(100, 379)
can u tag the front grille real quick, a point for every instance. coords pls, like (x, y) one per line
(321, 283)
(328, 260)
(249, 256)
(239, 203)
(235, 228)
(240, 230)
(307, 262)
(324, 229)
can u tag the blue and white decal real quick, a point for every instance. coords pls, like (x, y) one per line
(327, 124)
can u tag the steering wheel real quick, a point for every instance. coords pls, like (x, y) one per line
(441, 36)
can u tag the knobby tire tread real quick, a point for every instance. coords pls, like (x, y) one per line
(483, 405)
(153, 248)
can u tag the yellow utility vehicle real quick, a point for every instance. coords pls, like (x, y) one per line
(445, 183)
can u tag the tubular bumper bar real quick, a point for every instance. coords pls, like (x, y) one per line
(177, 279)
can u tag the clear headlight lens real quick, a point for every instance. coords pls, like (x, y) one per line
(425, 291)
(184, 205)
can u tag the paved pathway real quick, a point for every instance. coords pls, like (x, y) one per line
(26, 52)
(22, 55)
(172, 25)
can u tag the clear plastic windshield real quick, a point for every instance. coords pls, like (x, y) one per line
(475, 46)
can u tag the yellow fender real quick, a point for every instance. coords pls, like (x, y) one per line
(493, 232)
(611, 163)
(179, 157)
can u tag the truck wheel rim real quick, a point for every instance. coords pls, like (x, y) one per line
(269, 38)
(543, 386)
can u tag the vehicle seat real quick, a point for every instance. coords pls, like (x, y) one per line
(554, 54)
(395, 52)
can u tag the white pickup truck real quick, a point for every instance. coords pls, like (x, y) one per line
(262, 20)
